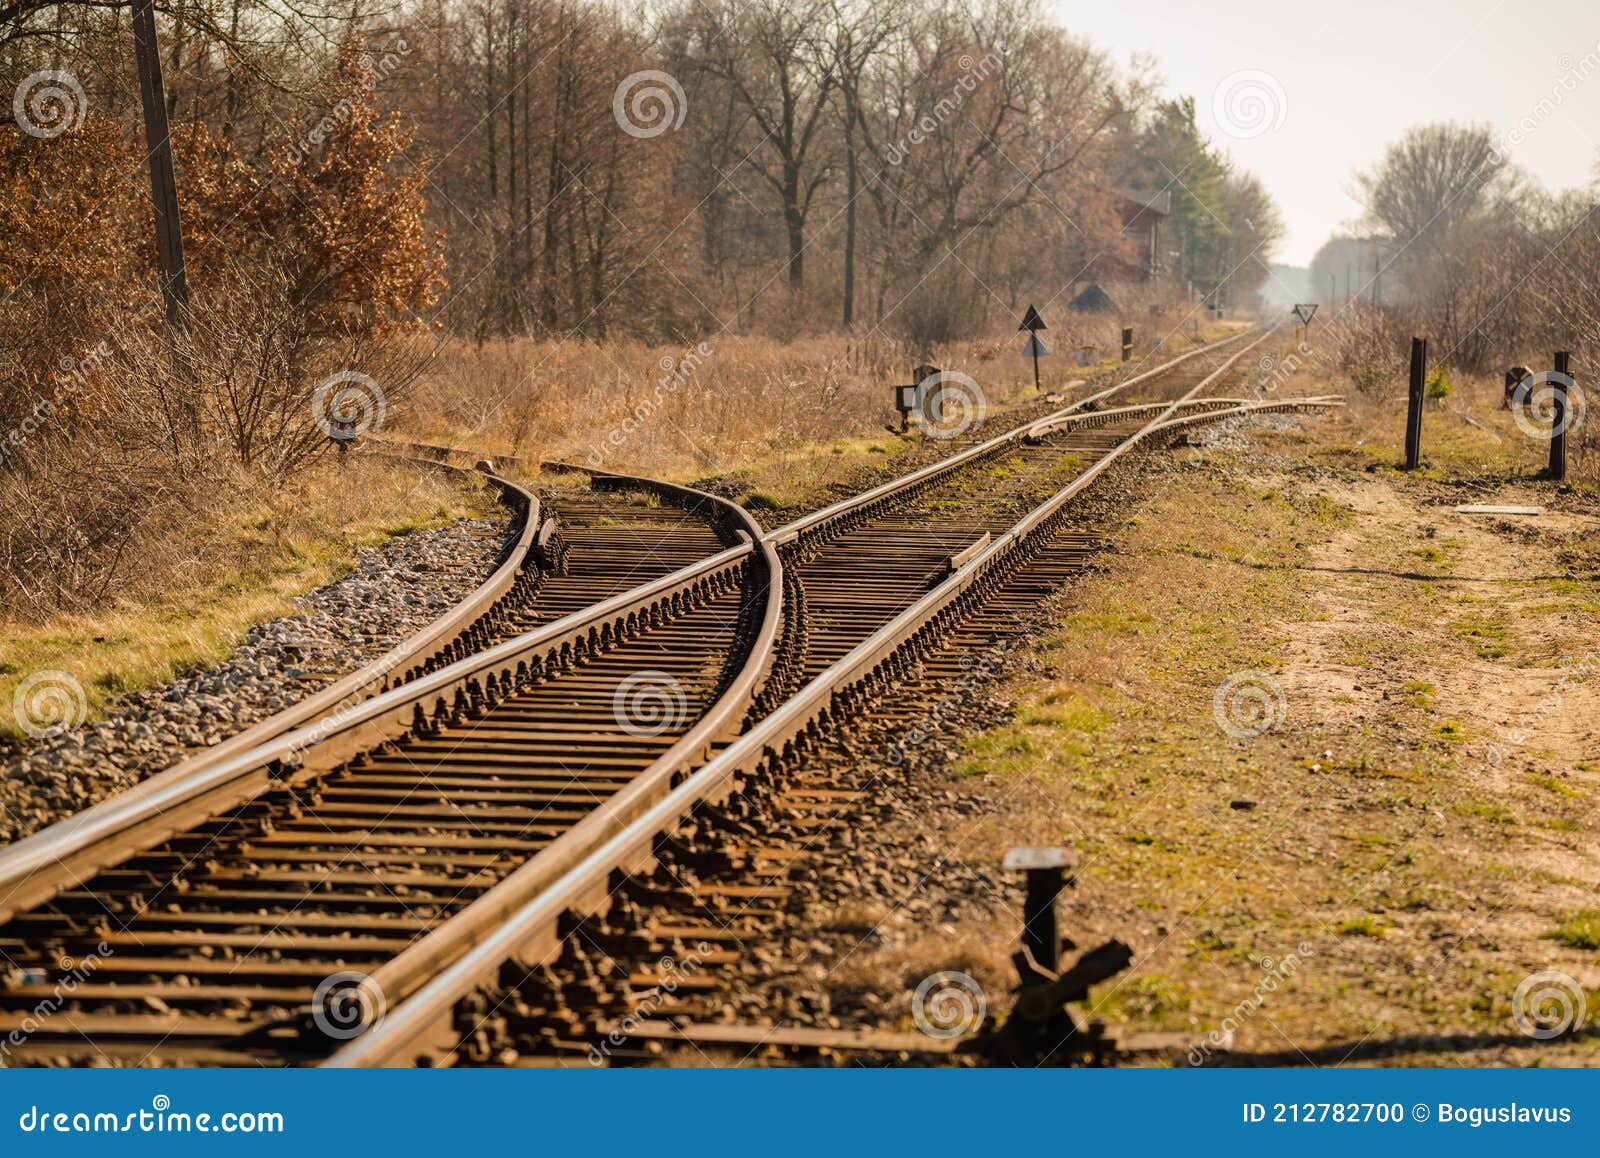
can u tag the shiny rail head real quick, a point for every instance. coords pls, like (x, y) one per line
(534, 919)
(327, 729)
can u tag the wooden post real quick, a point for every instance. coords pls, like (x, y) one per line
(163, 185)
(1127, 343)
(1419, 364)
(1558, 417)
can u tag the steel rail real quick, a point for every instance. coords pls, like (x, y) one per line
(836, 514)
(69, 852)
(1124, 413)
(1248, 409)
(161, 807)
(530, 933)
(68, 842)
(434, 951)
(437, 455)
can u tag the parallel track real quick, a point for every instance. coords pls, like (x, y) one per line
(445, 826)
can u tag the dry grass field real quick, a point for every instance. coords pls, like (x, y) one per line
(788, 420)
(202, 578)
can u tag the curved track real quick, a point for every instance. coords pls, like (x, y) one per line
(361, 877)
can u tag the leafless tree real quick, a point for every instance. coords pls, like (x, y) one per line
(777, 58)
(1431, 181)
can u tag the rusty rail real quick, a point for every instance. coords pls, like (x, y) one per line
(527, 918)
(35, 868)
(847, 512)
(563, 872)
(240, 768)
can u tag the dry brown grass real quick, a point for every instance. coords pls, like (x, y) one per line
(731, 401)
(198, 576)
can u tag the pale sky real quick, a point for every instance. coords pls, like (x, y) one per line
(1340, 80)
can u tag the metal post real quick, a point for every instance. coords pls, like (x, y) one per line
(1041, 930)
(1419, 362)
(1558, 428)
(163, 186)
(930, 395)
(1127, 343)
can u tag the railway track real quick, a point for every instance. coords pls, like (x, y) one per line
(343, 887)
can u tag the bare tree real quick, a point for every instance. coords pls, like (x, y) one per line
(860, 29)
(1432, 180)
(777, 58)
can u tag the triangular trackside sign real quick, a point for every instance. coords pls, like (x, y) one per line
(1035, 348)
(1032, 321)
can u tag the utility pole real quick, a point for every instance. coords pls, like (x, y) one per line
(158, 145)
(1229, 299)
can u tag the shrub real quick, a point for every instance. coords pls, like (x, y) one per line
(1438, 386)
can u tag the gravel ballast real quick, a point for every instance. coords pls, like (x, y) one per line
(392, 593)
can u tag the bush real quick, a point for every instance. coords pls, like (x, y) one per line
(1438, 386)
(1369, 345)
(152, 432)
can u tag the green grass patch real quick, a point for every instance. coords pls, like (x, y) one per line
(1552, 784)
(129, 647)
(1064, 709)
(1492, 813)
(1581, 930)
